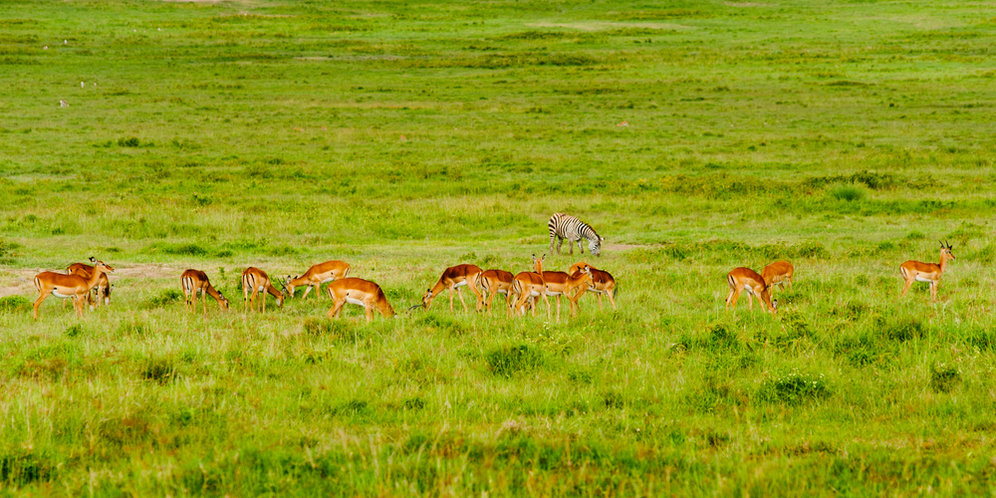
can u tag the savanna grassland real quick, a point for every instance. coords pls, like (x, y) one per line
(405, 137)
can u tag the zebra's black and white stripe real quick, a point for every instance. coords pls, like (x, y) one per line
(564, 226)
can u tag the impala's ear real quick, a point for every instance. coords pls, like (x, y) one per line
(92, 259)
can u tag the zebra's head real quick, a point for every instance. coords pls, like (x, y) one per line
(595, 246)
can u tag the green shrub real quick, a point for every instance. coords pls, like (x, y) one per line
(160, 370)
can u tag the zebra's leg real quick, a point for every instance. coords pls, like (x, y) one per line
(560, 243)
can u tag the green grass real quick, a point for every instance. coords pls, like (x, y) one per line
(407, 137)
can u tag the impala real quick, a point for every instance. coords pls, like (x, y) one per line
(779, 273)
(559, 284)
(530, 286)
(497, 282)
(452, 278)
(915, 271)
(193, 281)
(103, 286)
(602, 282)
(316, 276)
(362, 292)
(74, 286)
(745, 279)
(255, 281)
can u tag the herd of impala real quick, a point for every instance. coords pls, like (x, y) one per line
(522, 291)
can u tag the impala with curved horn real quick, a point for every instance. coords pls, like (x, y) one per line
(453, 278)
(255, 281)
(361, 292)
(915, 271)
(74, 286)
(194, 281)
(316, 276)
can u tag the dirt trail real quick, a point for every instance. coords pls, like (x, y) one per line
(20, 282)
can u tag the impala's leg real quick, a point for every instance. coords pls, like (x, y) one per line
(368, 307)
(491, 297)
(460, 295)
(477, 293)
(318, 287)
(558, 308)
(907, 285)
(789, 280)
(612, 299)
(336, 307)
(204, 299)
(933, 290)
(41, 297)
(80, 303)
(731, 300)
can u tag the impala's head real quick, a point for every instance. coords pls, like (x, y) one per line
(538, 263)
(946, 250)
(288, 286)
(223, 302)
(427, 298)
(774, 306)
(101, 265)
(595, 246)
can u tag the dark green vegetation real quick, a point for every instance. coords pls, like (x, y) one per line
(405, 137)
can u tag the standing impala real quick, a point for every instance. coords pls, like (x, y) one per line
(358, 291)
(74, 286)
(452, 278)
(103, 286)
(779, 273)
(497, 282)
(915, 271)
(316, 276)
(745, 279)
(255, 281)
(530, 286)
(559, 283)
(602, 282)
(193, 281)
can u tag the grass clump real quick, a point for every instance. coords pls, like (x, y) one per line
(848, 192)
(794, 388)
(510, 360)
(14, 304)
(944, 378)
(160, 370)
(166, 297)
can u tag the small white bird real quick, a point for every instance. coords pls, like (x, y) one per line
(63, 103)
(82, 84)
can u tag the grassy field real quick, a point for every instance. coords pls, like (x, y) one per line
(405, 137)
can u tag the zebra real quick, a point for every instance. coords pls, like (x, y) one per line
(564, 226)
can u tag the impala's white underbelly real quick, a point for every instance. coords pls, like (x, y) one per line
(920, 278)
(57, 294)
(353, 300)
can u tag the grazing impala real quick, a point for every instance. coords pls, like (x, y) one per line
(915, 271)
(362, 292)
(452, 278)
(74, 286)
(193, 281)
(779, 273)
(316, 276)
(530, 286)
(497, 282)
(103, 286)
(602, 282)
(559, 284)
(255, 281)
(745, 279)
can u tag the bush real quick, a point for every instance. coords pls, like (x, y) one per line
(165, 297)
(160, 370)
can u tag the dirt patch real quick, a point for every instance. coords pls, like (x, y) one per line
(21, 282)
